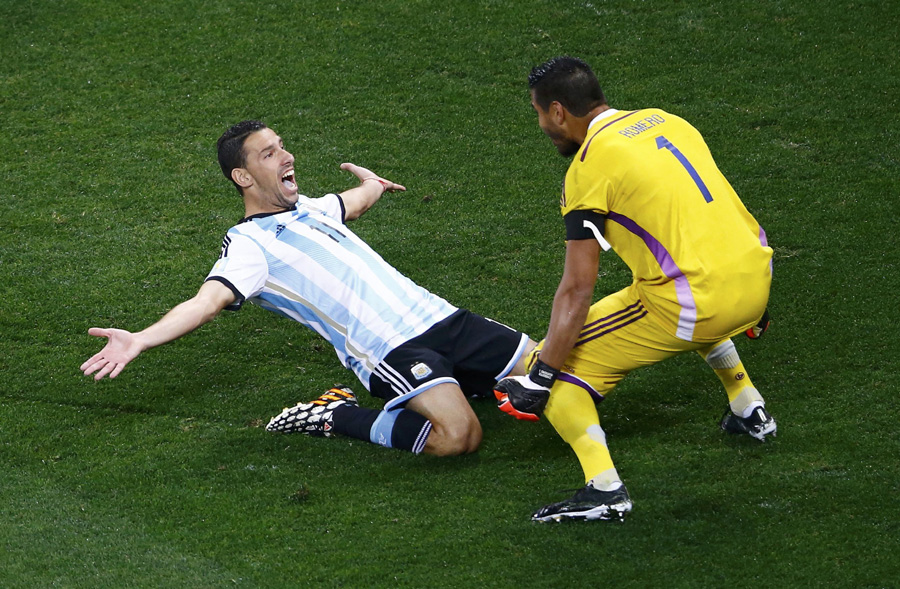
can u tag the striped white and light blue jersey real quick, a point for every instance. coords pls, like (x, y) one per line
(306, 264)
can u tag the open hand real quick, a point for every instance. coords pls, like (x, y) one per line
(366, 174)
(121, 348)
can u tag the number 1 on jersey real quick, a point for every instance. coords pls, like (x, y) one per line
(663, 143)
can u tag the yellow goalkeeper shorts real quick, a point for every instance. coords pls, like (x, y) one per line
(619, 335)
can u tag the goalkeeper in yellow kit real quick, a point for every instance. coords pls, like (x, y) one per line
(644, 184)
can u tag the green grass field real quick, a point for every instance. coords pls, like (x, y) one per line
(112, 210)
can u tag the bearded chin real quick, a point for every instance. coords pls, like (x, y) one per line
(285, 202)
(568, 148)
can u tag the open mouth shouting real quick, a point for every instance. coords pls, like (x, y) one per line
(288, 181)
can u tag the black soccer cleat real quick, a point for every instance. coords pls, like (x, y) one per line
(313, 418)
(759, 425)
(588, 504)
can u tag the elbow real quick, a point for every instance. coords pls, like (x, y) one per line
(357, 211)
(354, 214)
(578, 295)
(202, 311)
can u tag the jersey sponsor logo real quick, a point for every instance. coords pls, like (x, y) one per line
(420, 370)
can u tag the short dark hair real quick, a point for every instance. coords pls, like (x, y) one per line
(230, 147)
(569, 81)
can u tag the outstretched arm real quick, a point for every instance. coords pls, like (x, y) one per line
(371, 186)
(123, 346)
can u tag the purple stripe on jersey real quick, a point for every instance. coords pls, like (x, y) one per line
(594, 327)
(687, 318)
(642, 314)
(588, 144)
(765, 242)
(572, 379)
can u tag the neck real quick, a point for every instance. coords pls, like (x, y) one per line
(584, 122)
(258, 206)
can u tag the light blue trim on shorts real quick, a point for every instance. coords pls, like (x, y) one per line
(405, 398)
(520, 351)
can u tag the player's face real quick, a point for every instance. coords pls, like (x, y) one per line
(272, 168)
(565, 145)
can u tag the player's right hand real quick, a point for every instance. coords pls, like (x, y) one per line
(521, 397)
(121, 348)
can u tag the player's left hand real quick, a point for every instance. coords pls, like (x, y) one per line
(366, 174)
(760, 328)
(521, 397)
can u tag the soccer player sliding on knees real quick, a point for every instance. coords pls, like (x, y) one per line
(295, 256)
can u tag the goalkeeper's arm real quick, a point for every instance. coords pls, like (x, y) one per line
(526, 396)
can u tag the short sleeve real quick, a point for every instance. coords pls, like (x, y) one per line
(331, 205)
(242, 267)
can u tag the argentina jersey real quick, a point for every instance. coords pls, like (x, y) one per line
(307, 265)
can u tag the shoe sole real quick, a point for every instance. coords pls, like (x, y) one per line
(770, 429)
(616, 512)
(761, 436)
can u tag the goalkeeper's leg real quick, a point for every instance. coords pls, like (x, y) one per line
(572, 412)
(746, 413)
(723, 358)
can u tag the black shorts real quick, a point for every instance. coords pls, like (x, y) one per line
(465, 348)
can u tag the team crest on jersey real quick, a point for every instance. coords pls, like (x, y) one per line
(420, 370)
(220, 264)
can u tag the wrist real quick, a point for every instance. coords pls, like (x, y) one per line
(543, 374)
(384, 183)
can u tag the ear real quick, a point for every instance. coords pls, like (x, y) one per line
(557, 112)
(242, 177)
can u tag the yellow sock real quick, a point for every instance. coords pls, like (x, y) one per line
(572, 413)
(726, 363)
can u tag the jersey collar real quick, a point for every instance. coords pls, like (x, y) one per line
(262, 215)
(603, 116)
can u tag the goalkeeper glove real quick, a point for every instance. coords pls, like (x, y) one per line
(760, 328)
(524, 397)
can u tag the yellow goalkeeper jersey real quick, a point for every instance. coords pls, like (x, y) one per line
(701, 262)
